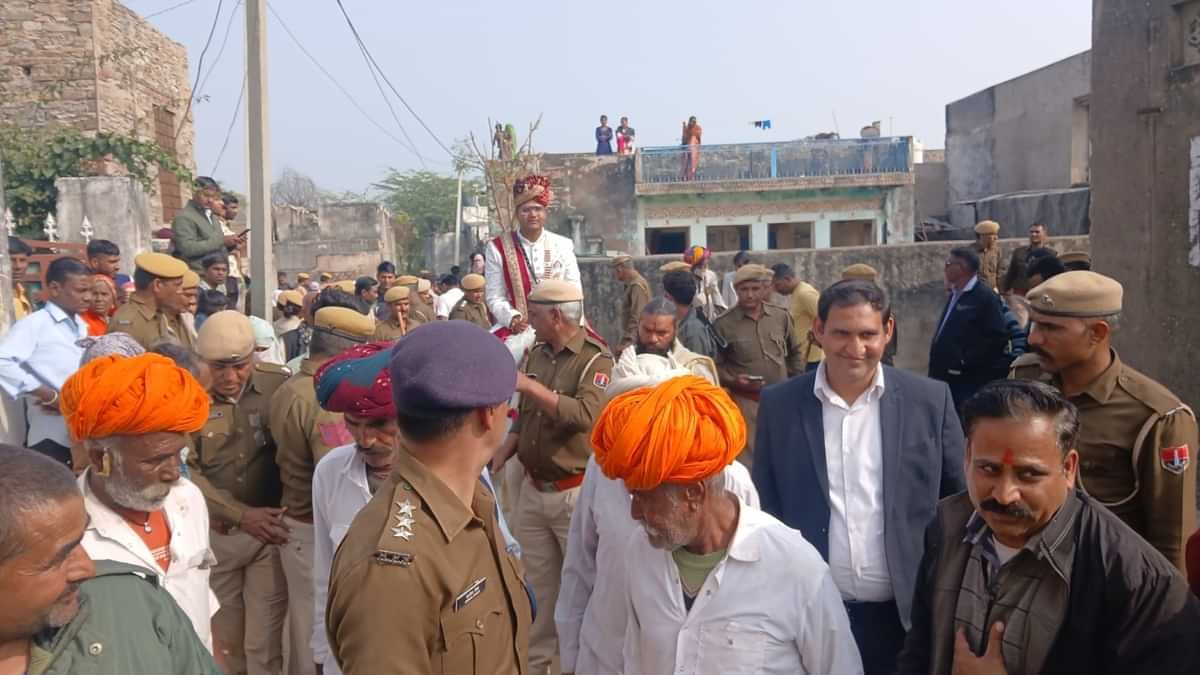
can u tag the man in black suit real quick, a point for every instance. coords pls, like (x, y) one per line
(969, 344)
(856, 455)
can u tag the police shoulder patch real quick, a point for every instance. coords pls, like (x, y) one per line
(600, 381)
(1176, 459)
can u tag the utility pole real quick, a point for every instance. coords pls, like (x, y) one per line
(457, 223)
(7, 315)
(262, 266)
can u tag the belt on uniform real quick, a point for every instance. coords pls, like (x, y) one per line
(560, 485)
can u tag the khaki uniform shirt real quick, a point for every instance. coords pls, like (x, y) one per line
(233, 459)
(989, 265)
(419, 315)
(1015, 277)
(304, 433)
(1134, 435)
(148, 325)
(389, 330)
(477, 314)
(803, 308)
(422, 584)
(767, 347)
(553, 447)
(637, 295)
(22, 307)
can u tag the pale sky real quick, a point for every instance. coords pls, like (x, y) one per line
(457, 62)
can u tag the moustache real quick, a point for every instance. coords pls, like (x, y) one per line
(1017, 510)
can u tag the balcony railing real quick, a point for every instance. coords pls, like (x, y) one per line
(768, 161)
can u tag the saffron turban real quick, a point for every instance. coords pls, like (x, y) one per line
(116, 395)
(357, 381)
(696, 255)
(530, 189)
(682, 431)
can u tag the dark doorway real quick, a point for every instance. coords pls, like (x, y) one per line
(666, 240)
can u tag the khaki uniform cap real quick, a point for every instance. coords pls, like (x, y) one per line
(161, 265)
(621, 260)
(326, 276)
(472, 282)
(751, 272)
(346, 285)
(674, 266)
(396, 293)
(191, 280)
(406, 280)
(226, 336)
(294, 297)
(861, 272)
(1077, 294)
(344, 320)
(554, 291)
(303, 277)
(423, 285)
(1075, 257)
(987, 227)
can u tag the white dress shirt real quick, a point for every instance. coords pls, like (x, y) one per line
(769, 607)
(728, 292)
(45, 343)
(708, 296)
(854, 459)
(446, 302)
(552, 256)
(591, 612)
(110, 537)
(955, 295)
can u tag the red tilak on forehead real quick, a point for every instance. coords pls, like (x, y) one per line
(1008, 457)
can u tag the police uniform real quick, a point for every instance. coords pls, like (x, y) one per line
(422, 582)
(1015, 277)
(554, 450)
(637, 296)
(146, 323)
(767, 347)
(303, 434)
(465, 310)
(393, 327)
(989, 258)
(1136, 438)
(233, 464)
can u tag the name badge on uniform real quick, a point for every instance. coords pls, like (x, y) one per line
(473, 591)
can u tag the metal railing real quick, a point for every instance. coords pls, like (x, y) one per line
(769, 161)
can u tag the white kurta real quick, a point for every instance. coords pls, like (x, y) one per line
(110, 537)
(591, 612)
(769, 607)
(552, 256)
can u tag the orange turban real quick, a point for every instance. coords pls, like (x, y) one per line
(681, 431)
(116, 395)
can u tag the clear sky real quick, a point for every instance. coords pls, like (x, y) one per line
(457, 62)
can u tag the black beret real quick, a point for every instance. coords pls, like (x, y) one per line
(447, 366)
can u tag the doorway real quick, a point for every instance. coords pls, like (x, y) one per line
(660, 240)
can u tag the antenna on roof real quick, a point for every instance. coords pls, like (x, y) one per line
(835, 124)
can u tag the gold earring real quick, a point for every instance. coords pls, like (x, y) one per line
(106, 464)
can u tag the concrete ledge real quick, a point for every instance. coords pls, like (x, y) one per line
(773, 184)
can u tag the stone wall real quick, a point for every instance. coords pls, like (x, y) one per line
(596, 194)
(1145, 175)
(116, 207)
(95, 65)
(348, 239)
(912, 274)
(931, 190)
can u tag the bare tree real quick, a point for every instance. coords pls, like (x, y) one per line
(499, 174)
(296, 189)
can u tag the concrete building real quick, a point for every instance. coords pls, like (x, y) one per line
(347, 239)
(1145, 173)
(95, 65)
(1017, 151)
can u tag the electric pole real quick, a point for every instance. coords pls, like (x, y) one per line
(262, 268)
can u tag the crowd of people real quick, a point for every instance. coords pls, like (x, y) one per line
(416, 474)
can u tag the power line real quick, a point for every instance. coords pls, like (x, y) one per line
(168, 9)
(200, 68)
(366, 52)
(237, 110)
(221, 51)
(391, 109)
(409, 146)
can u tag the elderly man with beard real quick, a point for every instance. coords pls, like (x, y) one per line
(720, 587)
(1027, 573)
(656, 334)
(63, 613)
(133, 415)
(591, 612)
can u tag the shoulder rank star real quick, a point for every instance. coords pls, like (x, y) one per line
(404, 520)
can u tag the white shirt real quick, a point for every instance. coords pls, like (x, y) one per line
(45, 343)
(591, 612)
(770, 607)
(955, 294)
(854, 458)
(708, 296)
(728, 292)
(446, 302)
(110, 537)
(552, 256)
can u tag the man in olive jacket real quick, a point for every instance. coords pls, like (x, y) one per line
(195, 232)
(1025, 573)
(63, 613)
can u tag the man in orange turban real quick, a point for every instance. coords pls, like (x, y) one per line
(707, 557)
(133, 416)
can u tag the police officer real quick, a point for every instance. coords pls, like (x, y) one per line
(1016, 278)
(422, 582)
(304, 433)
(396, 325)
(562, 391)
(637, 294)
(762, 348)
(472, 306)
(1137, 440)
(233, 463)
(418, 312)
(987, 236)
(152, 313)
